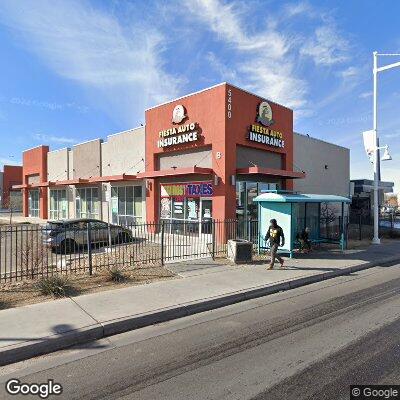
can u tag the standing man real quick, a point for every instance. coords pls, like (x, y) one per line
(276, 238)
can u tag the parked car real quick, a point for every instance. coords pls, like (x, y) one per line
(66, 236)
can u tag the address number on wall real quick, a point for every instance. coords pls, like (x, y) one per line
(229, 104)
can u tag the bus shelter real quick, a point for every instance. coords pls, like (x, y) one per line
(324, 215)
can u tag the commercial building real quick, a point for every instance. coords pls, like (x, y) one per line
(10, 197)
(363, 196)
(204, 155)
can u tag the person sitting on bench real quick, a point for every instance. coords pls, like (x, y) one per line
(303, 238)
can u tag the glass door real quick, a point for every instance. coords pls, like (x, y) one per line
(206, 216)
(33, 203)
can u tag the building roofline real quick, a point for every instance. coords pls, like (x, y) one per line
(213, 87)
(126, 131)
(88, 141)
(186, 95)
(36, 147)
(64, 148)
(321, 140)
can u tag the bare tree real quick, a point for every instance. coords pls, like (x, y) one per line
(33, 256)
(14, 204)
(327, 213)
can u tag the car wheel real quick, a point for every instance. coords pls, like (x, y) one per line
(67, 246)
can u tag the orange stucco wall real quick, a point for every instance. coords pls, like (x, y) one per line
(34, 162)
(244, 113)
(220, 130)
(12, 176)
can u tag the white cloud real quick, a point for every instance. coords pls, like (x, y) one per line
(265, 65)
(293, 10)
(53, 139)
(365, 95)
(123, 64)
(349, 72)
(227, 73)
(327, 47)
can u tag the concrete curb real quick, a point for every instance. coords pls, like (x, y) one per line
(29, 349)
(49, 344)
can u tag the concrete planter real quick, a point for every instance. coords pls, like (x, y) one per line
(240, 251)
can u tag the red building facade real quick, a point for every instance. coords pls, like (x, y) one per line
(205, 155)
(228, 123)
(12, 175)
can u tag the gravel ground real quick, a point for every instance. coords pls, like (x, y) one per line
(26, 292)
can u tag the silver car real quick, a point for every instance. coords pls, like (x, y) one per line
(67, 236)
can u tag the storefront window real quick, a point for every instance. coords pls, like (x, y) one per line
(193, 207)
(87, 203)
(252, 192)
(33, 203)
(58, 204)
(165, 212)
(240, 199)
(187, 207)
(246, 191)
(126, 204)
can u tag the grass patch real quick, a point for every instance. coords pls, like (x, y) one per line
(56, 286)
(116, 274)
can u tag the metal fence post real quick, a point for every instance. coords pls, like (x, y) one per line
(162, 242)
(89, 245)
(213, 238)
(360, 227)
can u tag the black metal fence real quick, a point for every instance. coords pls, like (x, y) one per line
(361, 226)
(34, 251)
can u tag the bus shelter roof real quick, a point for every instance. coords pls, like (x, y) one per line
(289, 197)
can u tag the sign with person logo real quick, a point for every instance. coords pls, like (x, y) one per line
(179, 114)
(264, 116)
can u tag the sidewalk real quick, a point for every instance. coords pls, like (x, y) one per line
(45, 327)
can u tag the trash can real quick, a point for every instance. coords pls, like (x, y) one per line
(240, 251)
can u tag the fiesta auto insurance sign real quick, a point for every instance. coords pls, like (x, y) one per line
(185, 133)
(260, 132)
(190, 189)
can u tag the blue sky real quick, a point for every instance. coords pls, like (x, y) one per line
(77, 70)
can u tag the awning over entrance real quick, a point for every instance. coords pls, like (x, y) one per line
(176, 172)
(30, 186)
(79, 181)
(270, 172)
(113, 178)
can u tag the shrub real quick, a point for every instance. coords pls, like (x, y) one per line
(56, 285)
(116, 274)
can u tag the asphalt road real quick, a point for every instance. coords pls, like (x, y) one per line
(307, 343)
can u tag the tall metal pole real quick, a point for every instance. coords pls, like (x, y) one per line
(376, 239)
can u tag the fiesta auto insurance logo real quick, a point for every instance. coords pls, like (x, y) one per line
(178, 114)
(264, 115)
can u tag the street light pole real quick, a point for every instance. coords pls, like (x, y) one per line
(376, 156)
(376, 239)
